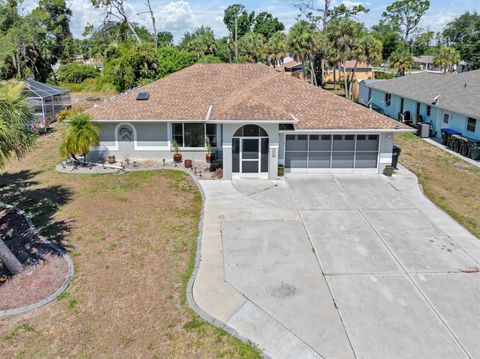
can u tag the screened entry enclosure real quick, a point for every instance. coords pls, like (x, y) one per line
(250, 151)
(335, 151)
(46, 100)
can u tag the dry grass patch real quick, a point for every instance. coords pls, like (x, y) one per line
(132, 238)
(451, 183)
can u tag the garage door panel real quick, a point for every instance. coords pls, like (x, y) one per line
(329, 151)
(342, 159)
(366, 159)
(319, 160)
(296, 159)
(320, 143)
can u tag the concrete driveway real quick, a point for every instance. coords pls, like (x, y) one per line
(339, 266)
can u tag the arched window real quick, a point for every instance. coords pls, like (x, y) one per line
(250, 131)
(125, 133)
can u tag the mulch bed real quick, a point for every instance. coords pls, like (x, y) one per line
(45, 269)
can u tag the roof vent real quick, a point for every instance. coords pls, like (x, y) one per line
(143, 96)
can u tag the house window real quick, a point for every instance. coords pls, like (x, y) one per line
(471, 124)
(177, 133)
(429, 110)
(418, 108)
(211, 130)
(446, 118)
(125, 134)
(402, 102)
(388, 98)
(194, 134)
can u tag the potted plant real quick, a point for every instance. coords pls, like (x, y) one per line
(208, 156)
(177, 156)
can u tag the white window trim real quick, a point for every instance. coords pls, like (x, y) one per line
(189, 149)
(476, 124)
(136, 147)
(449, 117)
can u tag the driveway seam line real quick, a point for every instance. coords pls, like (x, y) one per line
(294, 201)
(414, 283)
(434, 225)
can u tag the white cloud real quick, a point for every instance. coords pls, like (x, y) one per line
(437, 21)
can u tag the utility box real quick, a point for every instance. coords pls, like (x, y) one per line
(423, 130)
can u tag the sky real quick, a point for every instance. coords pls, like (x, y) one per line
(186, 15)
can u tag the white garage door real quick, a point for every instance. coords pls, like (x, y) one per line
(339, 151)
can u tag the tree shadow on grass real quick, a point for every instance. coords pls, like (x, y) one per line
(20, 189)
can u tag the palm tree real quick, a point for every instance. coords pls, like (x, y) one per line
(365, 49)
(16, 138)
(276, 49)
(16, 116)
(79, 136)
(251, 47)
(202, 41)
(401, 60)
(304, 42)
(446, 58)
(341, 34)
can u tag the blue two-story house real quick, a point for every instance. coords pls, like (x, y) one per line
(444, 101)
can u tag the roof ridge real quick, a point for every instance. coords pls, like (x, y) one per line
(241, 94)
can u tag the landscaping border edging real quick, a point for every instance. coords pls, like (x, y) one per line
(59, 291)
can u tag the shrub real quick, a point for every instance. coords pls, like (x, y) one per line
(68, 113)
(76, 72)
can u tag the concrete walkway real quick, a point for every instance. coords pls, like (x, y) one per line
(344, 266)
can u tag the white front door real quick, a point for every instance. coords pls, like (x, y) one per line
(445, 120)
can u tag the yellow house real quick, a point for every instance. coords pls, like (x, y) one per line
(363, 71)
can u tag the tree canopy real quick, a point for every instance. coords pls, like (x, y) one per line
(406, 14)
(464, 35)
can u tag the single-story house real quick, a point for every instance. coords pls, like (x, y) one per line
(294, 68)
(363, 71)
(46, 101)
(364, 91)
(444, 101)
(425, 62)
(254, 117)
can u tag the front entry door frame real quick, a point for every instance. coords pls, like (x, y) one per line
(259, 173)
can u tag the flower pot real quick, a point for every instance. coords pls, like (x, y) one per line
(188, 163)
(388, 171)
(177, 157)
(208, 157)
(111, 159)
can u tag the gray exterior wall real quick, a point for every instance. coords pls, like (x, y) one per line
(152, 141)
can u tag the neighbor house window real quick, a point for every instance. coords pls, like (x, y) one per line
(446, 118)
(388, 98)
(429, 110)
(418, 108)
(194, 134)
(471, 124)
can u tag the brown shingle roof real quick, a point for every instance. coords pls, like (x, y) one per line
(241, 92)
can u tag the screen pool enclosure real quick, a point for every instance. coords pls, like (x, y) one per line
(46, 101)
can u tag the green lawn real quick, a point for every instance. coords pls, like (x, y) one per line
(450, 182)
(133, 239)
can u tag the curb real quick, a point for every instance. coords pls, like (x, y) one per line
(198, 257)
(59, 291)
